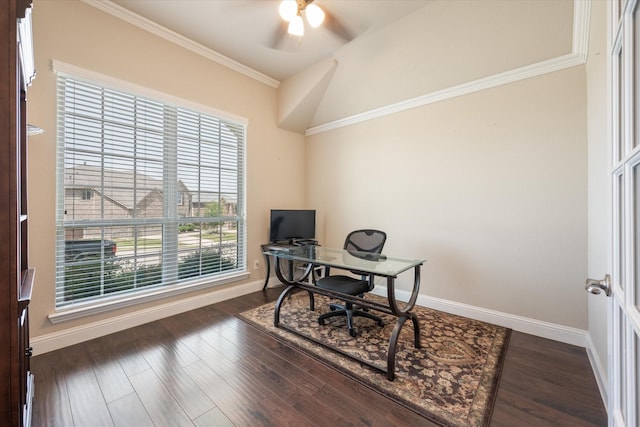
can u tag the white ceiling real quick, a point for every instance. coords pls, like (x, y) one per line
(252, 33)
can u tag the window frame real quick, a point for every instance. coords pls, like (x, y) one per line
(105, 302)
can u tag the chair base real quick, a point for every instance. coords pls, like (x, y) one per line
(350, 313)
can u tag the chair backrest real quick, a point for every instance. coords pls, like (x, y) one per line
(371, 241)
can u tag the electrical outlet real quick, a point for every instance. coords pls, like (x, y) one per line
(256, 264)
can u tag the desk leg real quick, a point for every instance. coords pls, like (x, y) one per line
(393, 342)
(403, 316)
(391, 351)
(416, 330)
(312, 301)
(267, 262)
(281, 298)
(291, 282)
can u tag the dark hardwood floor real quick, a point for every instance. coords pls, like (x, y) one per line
(208, 368)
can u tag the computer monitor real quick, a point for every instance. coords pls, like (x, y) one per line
(292, 224)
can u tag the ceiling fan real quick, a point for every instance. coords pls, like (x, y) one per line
(292, 11)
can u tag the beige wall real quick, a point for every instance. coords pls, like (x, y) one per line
(77, 34)
(491, 187)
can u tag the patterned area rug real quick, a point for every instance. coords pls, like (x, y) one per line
(452, 380)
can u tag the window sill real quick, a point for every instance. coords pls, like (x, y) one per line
(89, 309)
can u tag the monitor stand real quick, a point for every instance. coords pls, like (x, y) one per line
(304, 242)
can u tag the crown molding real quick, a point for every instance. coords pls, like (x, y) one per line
(578, 56)
(533, 70)
(123, 14)
(581, 19)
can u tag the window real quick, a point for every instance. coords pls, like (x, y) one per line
(87, 194)
(165, 209)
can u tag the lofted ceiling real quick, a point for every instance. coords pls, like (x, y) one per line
(252, 33)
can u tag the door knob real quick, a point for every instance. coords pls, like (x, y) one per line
(596, 286)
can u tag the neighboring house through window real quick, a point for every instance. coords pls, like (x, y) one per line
(137, 177)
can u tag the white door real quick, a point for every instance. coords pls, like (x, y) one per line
(624, 373)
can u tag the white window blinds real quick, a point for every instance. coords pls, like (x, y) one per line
(149, 195)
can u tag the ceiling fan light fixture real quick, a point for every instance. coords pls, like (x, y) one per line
(315, 15)
(296, 26)
(288, 10)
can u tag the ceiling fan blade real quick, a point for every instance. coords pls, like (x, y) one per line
(334, 25)
(279, 35)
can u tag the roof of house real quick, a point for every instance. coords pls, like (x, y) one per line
(118, 185)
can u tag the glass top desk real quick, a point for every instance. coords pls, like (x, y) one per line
(360, 262)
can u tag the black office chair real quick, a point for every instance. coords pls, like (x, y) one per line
(370, 241)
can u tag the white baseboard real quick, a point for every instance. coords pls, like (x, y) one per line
(599, 372)
(527, 325)
(56, 340)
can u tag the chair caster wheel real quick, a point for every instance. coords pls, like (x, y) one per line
(380, 323)
(353, 333)
(320, 321)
